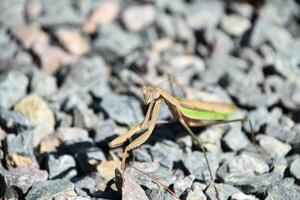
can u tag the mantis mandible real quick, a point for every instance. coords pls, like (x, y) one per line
(190, 113)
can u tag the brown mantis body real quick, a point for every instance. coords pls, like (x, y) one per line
(182, 111)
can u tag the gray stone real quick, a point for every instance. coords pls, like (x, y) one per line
(68, 134)
(186, 65)
(184, 33)
(273, 86)
(258, 184)
(248, 94)
(224, 191)
(255, 59)
(131, 190)
(77, 100)
(85, 117)
(22, 178)
(49, 189)
(295, 168)
(279, 13)
(235, 139)
(269, 13)
(142, 154)
(1, 154)
(62, 167)
(7, 49)
(211, 138)
(196, 192)
(285, 189)
(1, 157)
(242, 196)
(260, 117)
(202, 14)
(12, 121)
(163, 174)
(290, 91)
(137, 18)
(92, 184)
(183, 184)
(63, 119)
(279, 164)
(175, 7)
(157, 194)
(272, 146)
(166, 153)
(122, 109)
(11, 13)
(241, 166)
(113, 42)
(84, 72)
(21, 144)
(2, 134)
(13, 86)
(43, 84)
(196, 165)
(283, 133)
(101, 87)
(235, 25)
(81, 77)
(265, 31)
(165, 25)
(106, 130)
(66, 197)
(243, 9)
(53, 15)
(286, 13)
(83, 152)
(212, 34)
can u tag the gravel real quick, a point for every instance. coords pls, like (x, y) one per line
(122, 109)
(196, 165)
(224, 190)
(13, 85)
(51, 188)
(272, 146)
(196, 191)
(61, 167)
(294, 168)
(235, 139)
(22, 178)
(13, 121)
(181, 185)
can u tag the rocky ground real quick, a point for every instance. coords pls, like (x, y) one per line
(71, 73)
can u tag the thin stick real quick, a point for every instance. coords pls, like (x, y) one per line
(156, 181)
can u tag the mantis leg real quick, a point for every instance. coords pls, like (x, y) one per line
(200, 145)
(124, 136)
(141, 139)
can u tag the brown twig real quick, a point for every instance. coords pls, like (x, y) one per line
(156, 181)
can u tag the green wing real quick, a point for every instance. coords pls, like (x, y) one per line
(203, 115)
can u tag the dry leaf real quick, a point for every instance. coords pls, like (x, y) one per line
(107, 169)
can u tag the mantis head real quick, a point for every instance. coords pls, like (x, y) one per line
(150, 94)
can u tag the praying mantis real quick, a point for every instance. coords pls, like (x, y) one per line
(190, 113)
